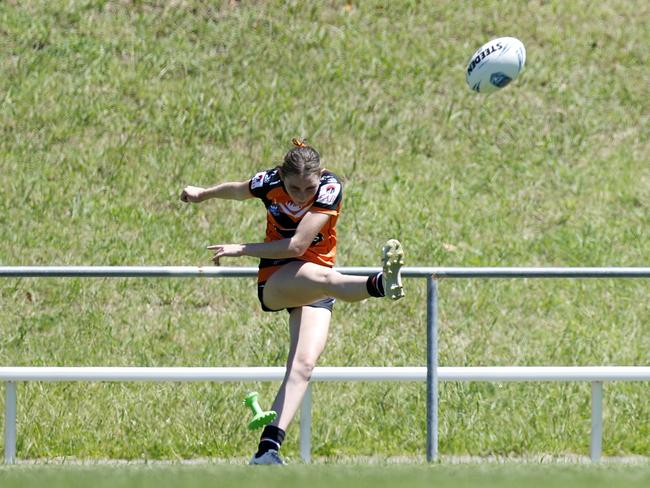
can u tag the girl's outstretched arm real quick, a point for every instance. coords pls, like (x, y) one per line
(233, 190)
(292, 247)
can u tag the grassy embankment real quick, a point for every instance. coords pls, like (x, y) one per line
(108, 109)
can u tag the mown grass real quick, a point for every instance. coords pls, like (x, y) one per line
(535, 476)
(109, 108)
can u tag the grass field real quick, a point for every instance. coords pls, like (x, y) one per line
(109, 108)
(344, 476)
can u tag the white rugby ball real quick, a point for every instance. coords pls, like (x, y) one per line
(495, 64)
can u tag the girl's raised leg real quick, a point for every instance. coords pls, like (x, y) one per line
(301, 283)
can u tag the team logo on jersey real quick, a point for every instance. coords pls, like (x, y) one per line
(258, 180)
(329, 193)
(274, 210)
(292, 207)
(293, 210)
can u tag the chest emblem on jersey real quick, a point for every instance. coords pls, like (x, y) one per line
(291, 209)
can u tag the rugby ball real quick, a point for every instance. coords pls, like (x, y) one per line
(495, 64)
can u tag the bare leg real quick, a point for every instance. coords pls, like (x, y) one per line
(300, 283)
(308, 327)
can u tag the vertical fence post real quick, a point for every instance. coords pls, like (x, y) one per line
(596, 420)
(305, 426)
(10, 422)
(432, 369)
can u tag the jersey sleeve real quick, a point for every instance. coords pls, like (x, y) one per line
(329, 196)
(258, 184)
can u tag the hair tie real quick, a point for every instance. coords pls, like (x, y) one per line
(298, 142)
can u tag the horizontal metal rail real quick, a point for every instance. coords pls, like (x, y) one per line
(326, 373)
(236, 271)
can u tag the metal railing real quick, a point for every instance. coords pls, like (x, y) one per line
(432, 373)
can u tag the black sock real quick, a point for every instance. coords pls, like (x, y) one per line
(375, 285)
(271, 438)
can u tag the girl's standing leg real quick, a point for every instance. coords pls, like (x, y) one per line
(308, 329)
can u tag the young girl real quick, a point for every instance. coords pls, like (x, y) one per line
(303, 202)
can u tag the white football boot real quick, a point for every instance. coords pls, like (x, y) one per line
(269, 457)
(392, 257)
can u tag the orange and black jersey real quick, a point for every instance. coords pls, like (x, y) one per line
(283, 217)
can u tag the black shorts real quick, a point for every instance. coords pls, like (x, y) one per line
(327, 303)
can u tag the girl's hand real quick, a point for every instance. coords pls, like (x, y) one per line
(230, 250)
(193, 194)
